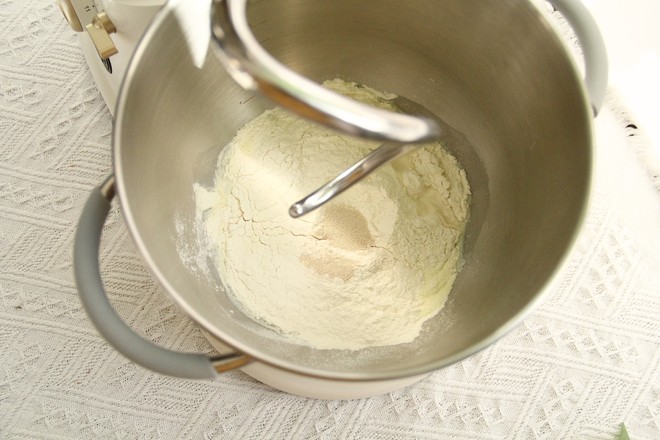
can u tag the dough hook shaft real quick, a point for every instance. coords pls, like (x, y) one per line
(255, 69)
(349, 177)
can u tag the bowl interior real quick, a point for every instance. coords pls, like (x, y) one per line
(495, 71)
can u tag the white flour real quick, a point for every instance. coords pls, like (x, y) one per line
(368, 268)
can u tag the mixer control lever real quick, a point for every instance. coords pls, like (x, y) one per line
(99, 30)
(85, 16)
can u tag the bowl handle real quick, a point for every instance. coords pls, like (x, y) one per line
(593, 48)
(105, 319)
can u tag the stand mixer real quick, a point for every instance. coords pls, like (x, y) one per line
(90, 289)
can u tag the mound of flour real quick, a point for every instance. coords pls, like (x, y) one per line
(366, 269)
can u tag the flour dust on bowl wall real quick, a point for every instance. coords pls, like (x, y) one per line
(521, 136)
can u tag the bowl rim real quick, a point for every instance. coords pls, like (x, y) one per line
(167, 12)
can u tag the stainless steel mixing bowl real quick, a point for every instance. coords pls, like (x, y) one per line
(496, 71)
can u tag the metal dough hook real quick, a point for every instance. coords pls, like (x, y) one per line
(254, 69)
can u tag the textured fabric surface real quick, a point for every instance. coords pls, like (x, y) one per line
(587, 360)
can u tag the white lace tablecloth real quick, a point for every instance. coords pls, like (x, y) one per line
(586, 361)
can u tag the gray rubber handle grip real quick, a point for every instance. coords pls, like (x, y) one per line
(105, 319)
(593, 48)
